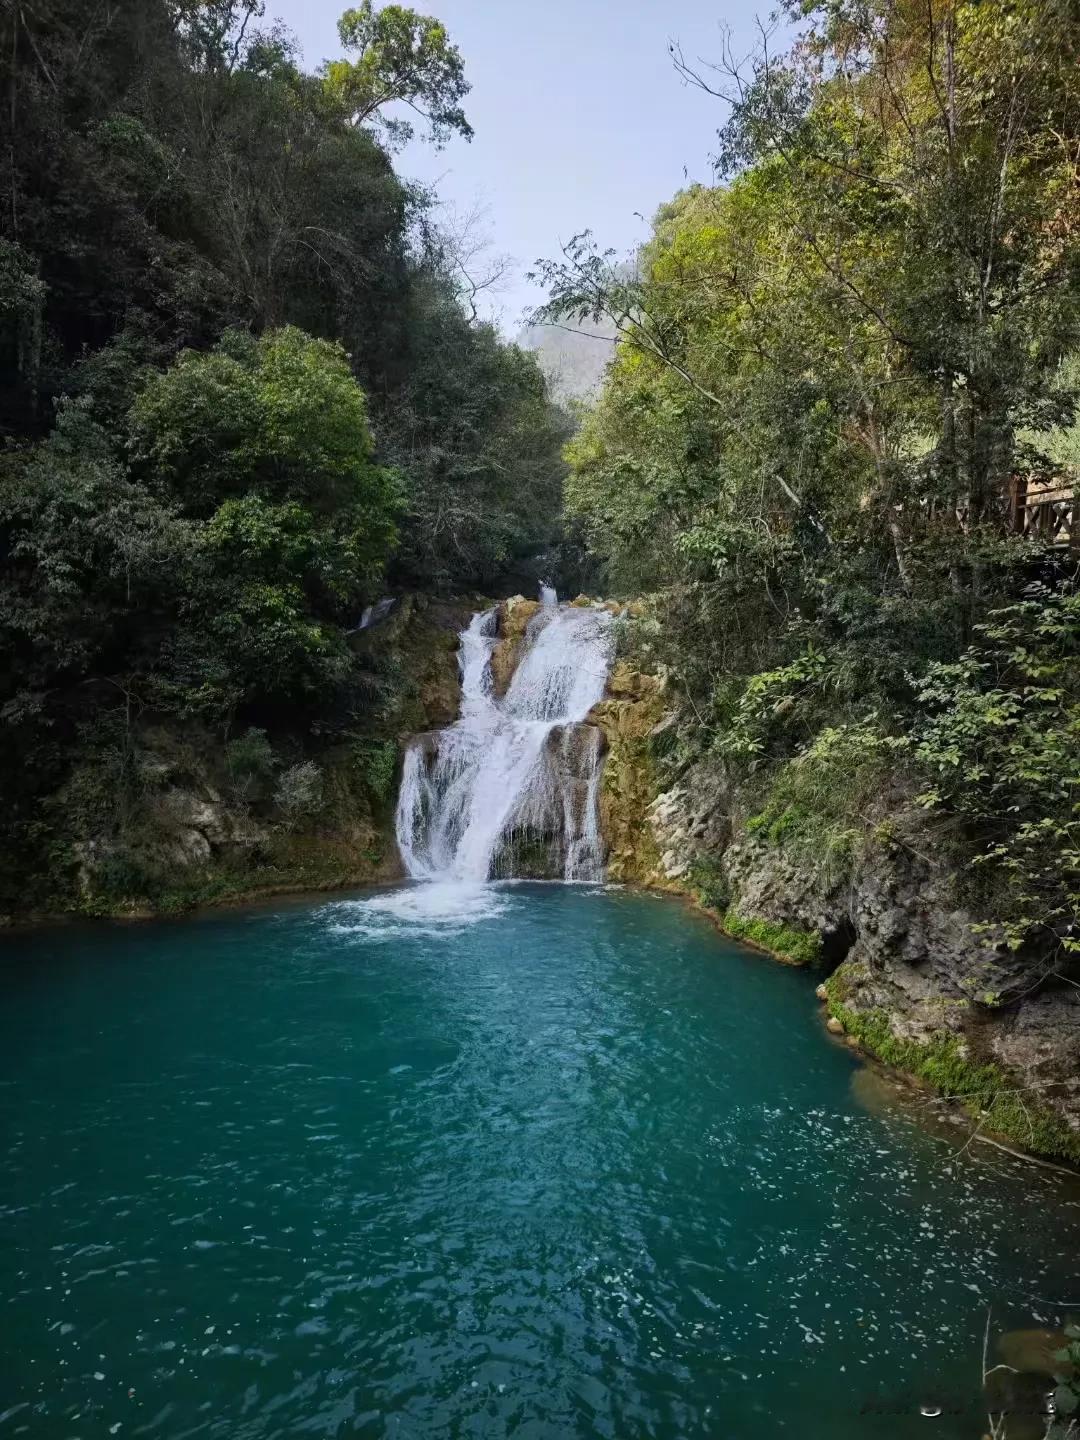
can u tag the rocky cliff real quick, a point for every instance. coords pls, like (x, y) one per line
(628, 715)
(910, 974)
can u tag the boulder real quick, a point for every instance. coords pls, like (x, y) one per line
(514, 616)
(1033, 1350)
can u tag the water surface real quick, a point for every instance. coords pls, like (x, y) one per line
(543, 1161)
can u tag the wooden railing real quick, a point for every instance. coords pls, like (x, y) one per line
(1045, 510)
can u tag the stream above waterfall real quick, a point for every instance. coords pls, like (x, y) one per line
(520, 767)
(558, 1161)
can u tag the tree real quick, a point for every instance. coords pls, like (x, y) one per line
(215, 294)
(910, 168)
(932, 150)
(22, 300)
(280, 416)
(476, 434)
(403, 58)
(85, 552)
(829, 369)
(266, 443)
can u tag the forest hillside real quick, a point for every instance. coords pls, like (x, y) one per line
(241, 395)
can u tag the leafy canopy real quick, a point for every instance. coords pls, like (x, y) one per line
(402, 58)
(832, 371)
(278, 418)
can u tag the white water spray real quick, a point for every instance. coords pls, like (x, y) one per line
(523, 766)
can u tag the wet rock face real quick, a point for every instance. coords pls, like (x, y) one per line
(629, 713)
(513, 623)
(556, 816)
(421, 635)
(908, 948)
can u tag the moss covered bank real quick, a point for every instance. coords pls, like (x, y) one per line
(913, 976)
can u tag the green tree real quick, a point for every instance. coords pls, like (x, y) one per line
(86, 552)
(403, 58)
(996, 736)
(480, 441)
(214, 294)
(830, 368)
(266, 443)
(279, 417)
(895, 264)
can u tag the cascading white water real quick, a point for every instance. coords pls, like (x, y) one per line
(502, 769)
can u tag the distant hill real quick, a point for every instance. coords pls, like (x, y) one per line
(573, 362)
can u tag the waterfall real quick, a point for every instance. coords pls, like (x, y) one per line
(515, 771)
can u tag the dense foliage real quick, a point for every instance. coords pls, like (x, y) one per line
(833, 369)
(239, 393)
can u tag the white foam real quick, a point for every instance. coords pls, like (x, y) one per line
(432, 908)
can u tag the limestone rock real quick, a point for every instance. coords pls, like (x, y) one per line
(514, 616)
(625, 683)
(189, 847)
(1040, 1040)
(691, 822)
(192, 813)
(630, 710)
(834, 1026)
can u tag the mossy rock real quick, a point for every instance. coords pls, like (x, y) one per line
(794, 947)
(984, 1089)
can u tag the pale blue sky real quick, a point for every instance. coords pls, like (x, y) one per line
(580, 119)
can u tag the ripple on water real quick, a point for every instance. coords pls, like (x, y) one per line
(520, 1161)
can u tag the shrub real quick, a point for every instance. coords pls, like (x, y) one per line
(299, 791)
(376, 762)
(815, 806)
(997, 738)
(249, 760)
(709, 885)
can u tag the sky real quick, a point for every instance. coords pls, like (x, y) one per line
(581, 121)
